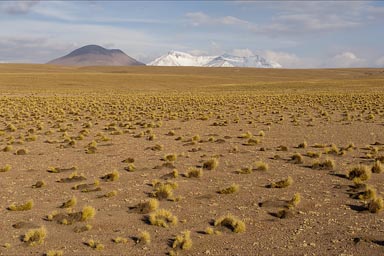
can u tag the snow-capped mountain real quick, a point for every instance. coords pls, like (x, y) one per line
(175, 58)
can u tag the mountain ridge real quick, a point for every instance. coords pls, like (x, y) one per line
(95, 55)
(177, 58)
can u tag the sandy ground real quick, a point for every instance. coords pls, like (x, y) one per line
(329, 220)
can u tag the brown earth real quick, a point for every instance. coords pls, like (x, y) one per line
(90, 120)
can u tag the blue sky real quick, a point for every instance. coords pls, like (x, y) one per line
(297, 34)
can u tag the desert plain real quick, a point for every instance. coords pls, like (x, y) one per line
(191, 161)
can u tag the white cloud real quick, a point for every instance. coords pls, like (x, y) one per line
(309, 23)
(380, 62)
(346, 60)
(200, 18)
(242, 52)
(197, 52)
(287, 60)
(41, 41)
(17, 7)
(292, 22)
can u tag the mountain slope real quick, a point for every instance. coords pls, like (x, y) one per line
(175, 58)
(94, 55)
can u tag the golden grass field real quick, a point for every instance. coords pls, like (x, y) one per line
(191, 161)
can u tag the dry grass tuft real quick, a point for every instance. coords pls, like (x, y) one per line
(327, 164)
(39, 184)
(183, 241)
(296, 199)
(211, 164)
(21, 207)
(194, 172)
(377, 167)
(70, 203)
(144, 237)
(376, 205)
(229, 190)
(6, 168)
(88, 213)
(54, 253)
(231, 222)
(120, 240)
(35, 236)
(95, 245)
(282, 183)
(361, 172)
(146, 207)
(170, 158)
(113, 176)
(261, 166)
(297, 158)
(162, 218)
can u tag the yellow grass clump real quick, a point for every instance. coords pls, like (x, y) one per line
(282, 183)
(35, 236)
(361, 172)
(21, 207)
(231, 222)
(211, 164)
(88, 213)
(70, 203)
(113, 176)
(6, 168)
(229, 190)
(162, 218)
(183, 241)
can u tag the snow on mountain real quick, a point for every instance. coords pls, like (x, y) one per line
(175, 58)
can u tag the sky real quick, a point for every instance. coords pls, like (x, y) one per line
(296, 34)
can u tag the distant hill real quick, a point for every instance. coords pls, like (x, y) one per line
(94, 55)
(174, 58)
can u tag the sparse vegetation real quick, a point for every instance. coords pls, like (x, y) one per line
(183, 241)
(376, 205)
(302, 145)
(296, 199)
(35, 236)
(113, 176)
(144, 237)
(130, 168)
(361, 172)
(55, 253)
(39, 184)
(327, 164)
(377, 167)
(164, 190)
(88, 213)
(6, 168)
(229, 190)
(120, 240)
(148, 206)
(170, 158)
(297, 158)
(70, 203)
(151, 120)
(95, 245)
(231, 222)
(261, 166)
(313, 154)
(282, 183)
(194, 172)
(211, 164)
(162, 218)
(21, 152)
(21, 207)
